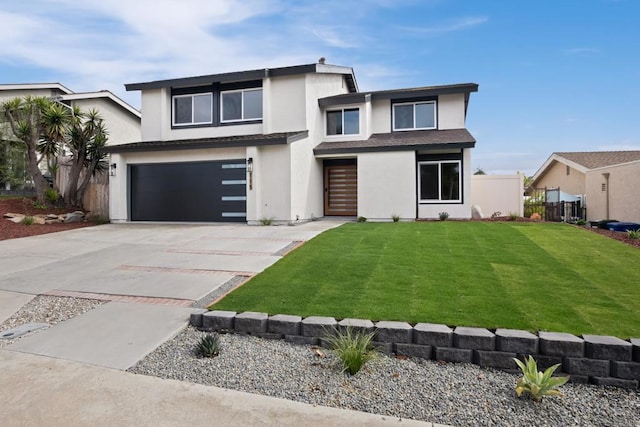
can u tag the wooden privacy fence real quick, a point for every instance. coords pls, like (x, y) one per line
(96, 197)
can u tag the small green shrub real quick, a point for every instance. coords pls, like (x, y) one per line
(362, 219)
(27, 220)
(443, 216)
(38, 205)
(51, 195)
(536, 383)
(513, 216)
(354, 349)
(633, 234)
(98, 219)
(266, 221)
(395, 217)
(581, 222)
(209, 345)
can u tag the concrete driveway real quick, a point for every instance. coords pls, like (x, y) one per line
(151, 274)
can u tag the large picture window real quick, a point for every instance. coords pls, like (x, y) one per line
(343, 122)
(241, 105)
(414, 115)
(439, 181)
(195, 109)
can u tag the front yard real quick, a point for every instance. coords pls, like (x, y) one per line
(534, 276)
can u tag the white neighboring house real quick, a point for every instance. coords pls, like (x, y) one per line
(121, 119)
(291, 144)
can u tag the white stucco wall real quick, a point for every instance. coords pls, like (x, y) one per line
(451, 111)
(118, 184)
(455, 210)
(284, 100)
(387, 185)
(381, 116)
(498, 193)
(624, 197)
(271, 182)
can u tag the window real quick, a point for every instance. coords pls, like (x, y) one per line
(343, 122)
(439, 181)
(192, 109)
(414, 115)
(241, 105)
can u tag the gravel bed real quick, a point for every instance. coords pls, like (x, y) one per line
(454, 394)
(47, 309)
(227, 286)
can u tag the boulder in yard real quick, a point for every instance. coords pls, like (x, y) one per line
(77, 216)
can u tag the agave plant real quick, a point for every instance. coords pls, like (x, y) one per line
(538, 384)
(209, 345)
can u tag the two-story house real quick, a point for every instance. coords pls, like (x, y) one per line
(291, 144)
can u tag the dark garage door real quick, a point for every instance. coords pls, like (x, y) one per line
(194, 191)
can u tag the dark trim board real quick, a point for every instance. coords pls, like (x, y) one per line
(354, 150)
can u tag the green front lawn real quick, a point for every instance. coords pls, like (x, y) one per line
(532, 276)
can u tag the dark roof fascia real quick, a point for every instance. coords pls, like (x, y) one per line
(355, 98)
(236, 77)
(138, 147)
(411, 147)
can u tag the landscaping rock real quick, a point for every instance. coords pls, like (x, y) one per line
(318, 326)
(615, 382)
(607, 348)
(583, 366)
(414, 350)
(10, 215)
(454, 355)
(77, 216)
(195, 319)
(625, 370)
(495, 359)
(432, 334)
(251, 323)
(476, 212)
(635, 342)
(560, 344)
(17, 218)
(218, 320)
(473, 338)
(284, 324)
(516, 341)
(393, 332)
(356, 325)
(39, 219)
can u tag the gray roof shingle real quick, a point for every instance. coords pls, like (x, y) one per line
(397, 141)
(599, 159)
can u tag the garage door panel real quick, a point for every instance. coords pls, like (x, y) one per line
(196, 191)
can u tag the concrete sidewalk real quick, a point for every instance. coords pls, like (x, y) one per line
(37, 390)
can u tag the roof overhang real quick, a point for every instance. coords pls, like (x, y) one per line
(239, 76)
(101, 94)
(400, 94)
(203, 143)
(400, 141)
(36, 86)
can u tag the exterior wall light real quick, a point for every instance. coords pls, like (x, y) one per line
(250, 171)
(112, 169)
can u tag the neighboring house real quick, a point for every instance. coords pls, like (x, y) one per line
(605, 181)
(121, 119)
(291, 144)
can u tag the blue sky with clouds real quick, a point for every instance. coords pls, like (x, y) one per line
(557, 75)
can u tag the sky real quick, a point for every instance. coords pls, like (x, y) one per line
(554, 75)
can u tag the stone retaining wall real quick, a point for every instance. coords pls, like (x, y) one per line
(595, 359)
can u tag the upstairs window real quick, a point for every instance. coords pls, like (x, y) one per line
(343, 122)
(195, 109)
(439, 181)
(241, 105)
(414, 115)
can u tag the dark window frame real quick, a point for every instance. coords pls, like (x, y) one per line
(414, 101)
(341, 111)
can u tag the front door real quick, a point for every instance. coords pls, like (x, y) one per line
(341, 190)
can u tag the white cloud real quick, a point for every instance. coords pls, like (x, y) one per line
(583, 51)
(451, 26)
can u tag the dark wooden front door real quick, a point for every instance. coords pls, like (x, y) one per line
(341, 190)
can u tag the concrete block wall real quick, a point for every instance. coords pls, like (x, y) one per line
(594, 359)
